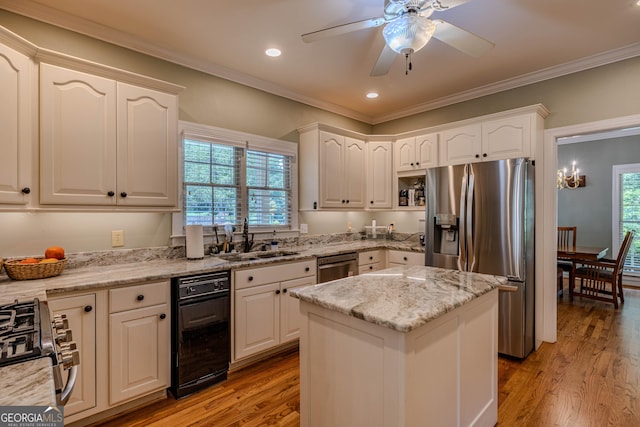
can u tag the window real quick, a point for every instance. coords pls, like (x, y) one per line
(626, 211)
(229, 176)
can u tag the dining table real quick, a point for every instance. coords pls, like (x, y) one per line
(589, 253)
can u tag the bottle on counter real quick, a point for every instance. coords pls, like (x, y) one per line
(404, 198)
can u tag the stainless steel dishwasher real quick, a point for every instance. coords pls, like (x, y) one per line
(337, 266)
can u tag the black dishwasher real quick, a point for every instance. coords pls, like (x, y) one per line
(200, 344)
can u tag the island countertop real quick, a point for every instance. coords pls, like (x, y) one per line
(400, 298)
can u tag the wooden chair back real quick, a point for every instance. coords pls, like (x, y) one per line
(624, 250)
(567, 237)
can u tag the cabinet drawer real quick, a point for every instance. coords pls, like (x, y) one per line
(368, 268)
(275, 273)
(406, 258)
(370, 257)
(139, 296)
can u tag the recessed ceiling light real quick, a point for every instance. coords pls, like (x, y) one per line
(372, 95)
(273, 52)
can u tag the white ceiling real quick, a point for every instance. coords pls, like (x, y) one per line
(534, 40)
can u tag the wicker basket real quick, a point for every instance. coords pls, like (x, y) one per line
(18, 271)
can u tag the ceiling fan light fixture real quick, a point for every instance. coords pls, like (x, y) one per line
(409, 33)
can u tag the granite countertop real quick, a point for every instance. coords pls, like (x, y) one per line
(113, 275)
(400, 298)
(28, 383)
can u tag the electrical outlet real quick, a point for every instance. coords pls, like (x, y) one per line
(304, 228)
(117, 238)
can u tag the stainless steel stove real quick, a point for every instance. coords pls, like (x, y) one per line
(27, 332)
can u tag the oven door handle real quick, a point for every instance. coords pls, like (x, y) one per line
(335, 264)
(68, 388)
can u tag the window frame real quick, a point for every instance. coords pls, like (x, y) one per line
(246, 141)
(617, 171)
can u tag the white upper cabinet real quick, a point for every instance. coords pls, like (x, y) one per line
(104, 142)
(461, 145)
(16, 126)
(507, 138)
(147, 151)
(342, 171)
(379, 175)
(416, 153)
(77, 137)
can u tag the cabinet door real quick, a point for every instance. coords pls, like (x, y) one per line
(290, 318)
(380, 175)
(405, 154)
(147, 147)
(331, 158)
(256, 319)
(81, 312)
(16, 124)
(77, 137)
(461, 145)
(355, 173)
(507, 138)
(427, 151)
(405, 258)
(139, 352)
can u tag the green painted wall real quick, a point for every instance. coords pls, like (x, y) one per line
(589, 208)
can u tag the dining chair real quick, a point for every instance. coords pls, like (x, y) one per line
(566, 240)
(597, 276)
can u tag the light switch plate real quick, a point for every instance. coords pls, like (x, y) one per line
(304, 228)
(117, 238)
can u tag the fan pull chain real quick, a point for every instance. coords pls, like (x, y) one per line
(408, 65)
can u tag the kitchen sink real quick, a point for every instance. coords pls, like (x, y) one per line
(252, 256)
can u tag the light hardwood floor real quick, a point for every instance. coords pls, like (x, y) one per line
(590, 377)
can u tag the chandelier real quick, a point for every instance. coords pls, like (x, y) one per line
(572, 181)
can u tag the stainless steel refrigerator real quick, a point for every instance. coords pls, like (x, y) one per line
(480, 218)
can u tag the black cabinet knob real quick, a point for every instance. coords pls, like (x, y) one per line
(404, 258)
(123, 194)
(140, 297)
(347, 201)
(163, 316)
(26, 190)
(278, 292)
(370, 258)
(484, 155)
(111, 194)
(284, 291)
(411, 163)
(477, 156)
(417, 163)
(87, 308)
(306, 269)
(250, 278)
(371, 267)
(371, 202)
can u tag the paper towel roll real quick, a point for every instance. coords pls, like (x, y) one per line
(195, 242)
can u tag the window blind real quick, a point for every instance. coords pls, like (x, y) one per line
(268, 179)
(629, 217)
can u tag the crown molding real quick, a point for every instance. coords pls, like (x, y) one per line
(100, 32)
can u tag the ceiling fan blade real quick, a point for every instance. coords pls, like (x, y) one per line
(385, 60)
(343, 29)
(460, 39)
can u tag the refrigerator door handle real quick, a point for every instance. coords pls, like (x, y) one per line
(462, 247)
(508, 288)
(469, 223)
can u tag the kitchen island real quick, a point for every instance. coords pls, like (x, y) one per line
(405, 346)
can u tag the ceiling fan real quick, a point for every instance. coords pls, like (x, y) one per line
(407, 29)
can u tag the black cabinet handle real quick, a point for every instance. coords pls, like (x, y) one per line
(284, 291)
(278, 292)
(404, 258)
(163, 316)
(250, 278)
(344, 201)
(417, 163)
(26, 190)
(123, 194)
(347, 200)
(371, 267)
(140, 297)
(306, 269)
(87, 308)
(372, 202)
(484, 155)
(411, 163)
(477, 156)
(370, 258)
(111, 194)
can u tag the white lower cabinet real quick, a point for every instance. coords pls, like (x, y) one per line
(81, 313)
(370, 261)
(139, 340)
(265, 316)
(395, 258)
